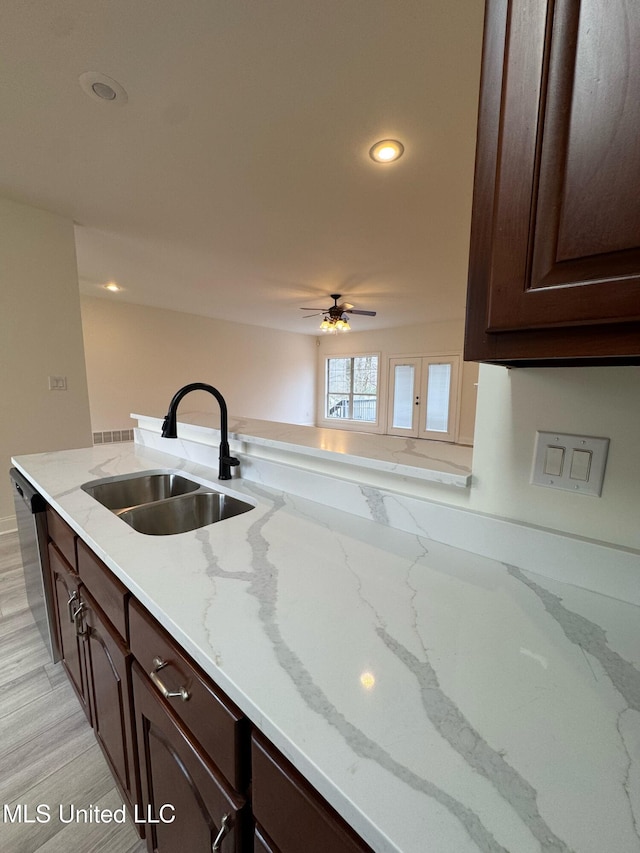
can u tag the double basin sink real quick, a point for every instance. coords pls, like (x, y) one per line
(162, 503)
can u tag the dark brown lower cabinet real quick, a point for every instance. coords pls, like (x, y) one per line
(93, 649)
(193, 773)
(108, 661)
(291, 817)
(66, 593)
(211, 718)
(185, 801)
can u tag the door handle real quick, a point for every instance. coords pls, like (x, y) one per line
(80, 629)
(73, 597)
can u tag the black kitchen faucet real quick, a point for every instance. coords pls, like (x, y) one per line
(169, 426)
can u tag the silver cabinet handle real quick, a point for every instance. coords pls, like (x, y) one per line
(225, 826)
(181, 693)
(73, 597)
(80, 629)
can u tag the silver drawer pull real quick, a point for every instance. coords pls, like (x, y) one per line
(181, 693)
(225, 826)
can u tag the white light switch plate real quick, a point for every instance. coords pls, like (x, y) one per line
(547, 448)
(57, 383)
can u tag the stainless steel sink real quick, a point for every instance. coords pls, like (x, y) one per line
(132, 490)
(163, 503)
(181, 514)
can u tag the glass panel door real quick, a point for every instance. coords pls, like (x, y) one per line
(438, 390)
(439, 398)
(404, 379)
(423, 397)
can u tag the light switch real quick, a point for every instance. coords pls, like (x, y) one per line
(554, 458)
(57, 383)
(580, 465)
(575, 463)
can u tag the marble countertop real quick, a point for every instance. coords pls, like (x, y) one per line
(440, 700)
(433, 461)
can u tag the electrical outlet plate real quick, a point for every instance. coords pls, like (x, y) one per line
(575, 463)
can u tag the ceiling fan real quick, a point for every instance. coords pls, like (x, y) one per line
(335, 318)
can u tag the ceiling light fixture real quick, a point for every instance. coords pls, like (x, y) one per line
(335, 324)
(386, 151)
(113, 287)
(102, 88)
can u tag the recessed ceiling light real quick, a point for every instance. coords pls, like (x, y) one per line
(102, 88)
(386, 151)
(104, 91)
(113, 287)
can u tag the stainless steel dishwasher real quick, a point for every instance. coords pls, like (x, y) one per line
(32, 531)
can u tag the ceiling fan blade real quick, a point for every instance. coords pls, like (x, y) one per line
(322, 310)
(345, 306)
(358, 311)
(317, 314)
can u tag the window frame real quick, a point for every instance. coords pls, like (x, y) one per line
(351, 423)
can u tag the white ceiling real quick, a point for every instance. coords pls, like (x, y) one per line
(235, 182)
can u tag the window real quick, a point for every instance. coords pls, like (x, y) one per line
(352, 388)
(415, 396)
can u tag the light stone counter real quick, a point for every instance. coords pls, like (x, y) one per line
(443, 702)
(410, 458)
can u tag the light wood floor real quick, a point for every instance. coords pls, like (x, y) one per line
(48, 753)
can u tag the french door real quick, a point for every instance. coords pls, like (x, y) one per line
(423, 397)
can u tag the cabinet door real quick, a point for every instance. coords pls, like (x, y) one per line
(109, 689)
(293, 814)
(188, 805)
(555, 252)
(67, 604)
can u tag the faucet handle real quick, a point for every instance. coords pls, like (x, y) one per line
(168, 428)
(226, 463)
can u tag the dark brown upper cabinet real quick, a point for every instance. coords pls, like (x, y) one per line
(554, 271)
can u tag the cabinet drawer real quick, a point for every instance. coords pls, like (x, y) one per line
(104, 587)
(211, 717)
(62, 535)
(293, 814)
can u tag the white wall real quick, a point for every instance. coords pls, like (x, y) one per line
(511, 406)
(40, 335)
(419, 339)
(137, 357)
(597, 401)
